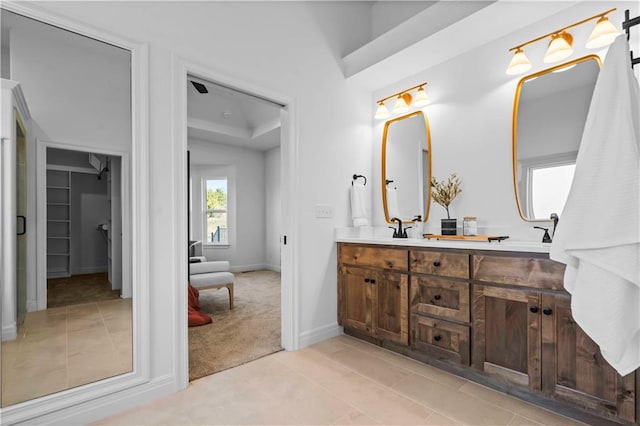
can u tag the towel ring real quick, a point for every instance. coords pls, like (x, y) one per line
(355, 177)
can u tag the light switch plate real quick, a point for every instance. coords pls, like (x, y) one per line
(324, 211)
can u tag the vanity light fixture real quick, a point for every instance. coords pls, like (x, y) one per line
(560, 47)
(382, 111)
(561, 43)
(603, 34)
(404, 101)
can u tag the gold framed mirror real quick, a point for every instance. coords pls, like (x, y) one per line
(549, 112)
(406, 167)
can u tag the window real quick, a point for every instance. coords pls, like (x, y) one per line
(550, 188)
(216, 220)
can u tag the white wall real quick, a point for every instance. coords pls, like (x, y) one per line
(245, 169)
(273, 208)
(470, 121)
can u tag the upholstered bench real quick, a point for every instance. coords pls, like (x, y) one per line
(214, 274)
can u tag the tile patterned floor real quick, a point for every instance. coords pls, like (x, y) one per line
(341, 381)
(65, 347)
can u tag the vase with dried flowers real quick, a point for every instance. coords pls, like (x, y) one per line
(443, 193)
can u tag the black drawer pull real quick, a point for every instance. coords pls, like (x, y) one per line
(366, 280)
(437, 338)
(436, 263)
(437, 296)
(534, 309)
(373, 281)
(547, 311)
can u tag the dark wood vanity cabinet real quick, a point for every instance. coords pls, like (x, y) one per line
(371, 300)
(524, 334)
(499, 318)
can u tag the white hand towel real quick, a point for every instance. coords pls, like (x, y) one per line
(392, 203)
(598, 235)
(358, 205)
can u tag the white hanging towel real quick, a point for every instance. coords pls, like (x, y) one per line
(598, 235)
(392, 203)
(358, 203)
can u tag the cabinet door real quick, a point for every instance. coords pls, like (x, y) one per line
(391, 306)
(574, 369)
(357, 295)
(506, 334)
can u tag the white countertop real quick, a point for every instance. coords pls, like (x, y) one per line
(371, 235)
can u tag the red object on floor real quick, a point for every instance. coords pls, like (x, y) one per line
(196, 317)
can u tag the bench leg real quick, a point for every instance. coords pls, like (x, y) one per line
(230, 288)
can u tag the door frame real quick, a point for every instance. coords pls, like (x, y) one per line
(41, 215)
(289, 186)
(58, 406)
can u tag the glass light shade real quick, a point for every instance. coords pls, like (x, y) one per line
(421, 98)
(519, 63)
(559, 48)
(382, 111)
(603, 34)
(402, 103)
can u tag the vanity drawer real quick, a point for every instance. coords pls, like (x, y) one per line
(436, 296)
(523, 271)
(442, 338)
(385, 258)
(437, 263)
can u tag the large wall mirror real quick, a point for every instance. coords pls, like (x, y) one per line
(74, 286)
(406, 167)
(549, 115)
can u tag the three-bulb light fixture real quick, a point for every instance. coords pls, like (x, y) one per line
(561, 43)
(404, 100)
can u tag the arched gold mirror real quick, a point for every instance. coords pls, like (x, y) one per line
(549, 113)
(406, 167)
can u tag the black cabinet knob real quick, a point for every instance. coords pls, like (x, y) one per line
(373, 281)
(437, 338)
(547, 311)
(437, 296)
(436, 263)
(534, 309)
(366, 280)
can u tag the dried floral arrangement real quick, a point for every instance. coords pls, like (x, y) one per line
(445, 192)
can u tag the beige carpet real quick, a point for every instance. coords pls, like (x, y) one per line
(250, 331)
(79, 289)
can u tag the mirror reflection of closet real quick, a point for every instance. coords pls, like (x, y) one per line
(406, 167)
(73, 321)
(549, 115)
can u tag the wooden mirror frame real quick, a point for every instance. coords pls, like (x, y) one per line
(427, 200)
(514, 127)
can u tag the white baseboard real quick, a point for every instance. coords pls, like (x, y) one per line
(9, 332)
(104, 407)
(32, 305)
(246, 268)
(90, 270)
(274, 268)
(307, 338)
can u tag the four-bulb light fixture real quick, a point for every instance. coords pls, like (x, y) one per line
(404, 100)
(561, 43)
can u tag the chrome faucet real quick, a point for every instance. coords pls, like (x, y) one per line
(399, 232)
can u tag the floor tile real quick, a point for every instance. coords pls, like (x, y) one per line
(370, 366)
(452, 403)
(516, 405)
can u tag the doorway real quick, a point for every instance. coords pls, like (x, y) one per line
(234, 216)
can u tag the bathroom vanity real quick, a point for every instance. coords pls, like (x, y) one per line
(494, 313)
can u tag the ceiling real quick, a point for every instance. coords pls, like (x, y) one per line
(230, 117)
